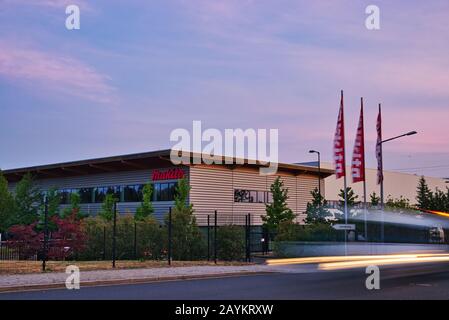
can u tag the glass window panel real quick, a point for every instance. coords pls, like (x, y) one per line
(252, 196)
(131, 193)
(85, 195)
(100, 194)
(164, 191)
(269, 197)
(261, 196)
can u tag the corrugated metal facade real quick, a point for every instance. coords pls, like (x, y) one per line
(108, 179)
(213, 189)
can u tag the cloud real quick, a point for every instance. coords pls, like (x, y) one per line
(49, 70)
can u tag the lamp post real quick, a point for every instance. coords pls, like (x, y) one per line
(319, 169)
(382, 205)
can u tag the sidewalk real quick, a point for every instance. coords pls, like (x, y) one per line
(122, 276)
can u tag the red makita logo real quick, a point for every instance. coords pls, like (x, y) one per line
(171, 174)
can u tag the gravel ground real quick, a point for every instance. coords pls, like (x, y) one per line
(129, 274)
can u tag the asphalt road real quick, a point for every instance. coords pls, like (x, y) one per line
(398, 282)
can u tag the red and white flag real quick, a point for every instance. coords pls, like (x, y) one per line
(380, 176)
(339, 143)
(358, 156)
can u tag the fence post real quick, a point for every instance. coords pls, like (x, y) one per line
(169, 236)
(215, 237)
(104, 243)
(246, 238)
(249, 237)
(208, 237)
(135, 240)
(44, 253)
(114, 236)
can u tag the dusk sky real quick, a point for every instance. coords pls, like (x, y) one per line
(136, 70)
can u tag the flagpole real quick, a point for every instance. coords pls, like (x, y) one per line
(365, 206)
(345, 183)
(382, 205)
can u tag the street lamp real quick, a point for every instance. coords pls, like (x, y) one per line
(411, 133)
(319, 169)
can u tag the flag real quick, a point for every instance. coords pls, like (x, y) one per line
(380, 176)
(358, 156)
(339, 143)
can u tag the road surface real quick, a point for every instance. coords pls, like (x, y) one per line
(429, 281)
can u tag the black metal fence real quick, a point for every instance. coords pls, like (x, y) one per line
(127, 239)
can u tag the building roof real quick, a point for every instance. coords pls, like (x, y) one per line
(135, 161)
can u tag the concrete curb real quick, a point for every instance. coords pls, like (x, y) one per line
(34, 287)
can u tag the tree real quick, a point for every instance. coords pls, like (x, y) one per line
(398, 203)
(375, 200)
(316, 210)
(107, 208)
(351, 197)
(146, 208)
(54, 200)
(28, 199)
(438, 201)
(74, 206)
(187, 241)
(6, 205)
(424, 195)
(277, 211)
(181, 196)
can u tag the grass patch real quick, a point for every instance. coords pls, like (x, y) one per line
(24, 267)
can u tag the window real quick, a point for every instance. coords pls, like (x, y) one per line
(86, 195)
(99, 194)
(164, 192)
(65, 196)
(269, 198)
(261, 196)
(133, 193)
(251, 196)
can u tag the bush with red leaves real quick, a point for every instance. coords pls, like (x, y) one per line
(66, 241)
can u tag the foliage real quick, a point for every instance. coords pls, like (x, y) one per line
(182, 195)
(230, 243)
(69, 239)
(26, 240)
(107, 208)
(424, 195)
(316, 210)
(351, 197)
(6, 205)
(187, 240)
(65, 241)
(374, 199)
(27, 200)
(428, 200)
(146, 208)
(278, 210)
(53, 200)
(74, 205)
(398, 203)
(287, 231)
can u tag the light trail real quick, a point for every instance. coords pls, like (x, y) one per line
(383, 262)
(347, 262)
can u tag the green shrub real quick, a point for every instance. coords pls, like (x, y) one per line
(187, 240)
(230, 243)
(150, 239)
